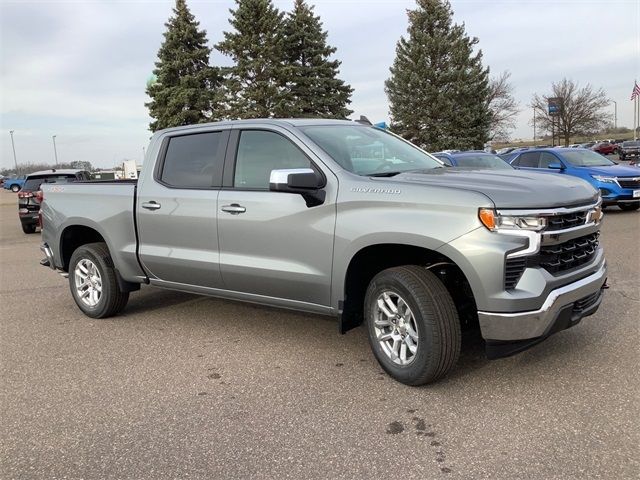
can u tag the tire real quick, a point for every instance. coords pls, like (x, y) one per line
(29, 228)
(109, 300)
(432, 313)
(628, 207)
(15, 188)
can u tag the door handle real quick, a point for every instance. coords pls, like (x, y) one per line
(234, 209)
(151, 205)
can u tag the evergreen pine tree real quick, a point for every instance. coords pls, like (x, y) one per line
(312, 87)
(184, 91)
(438, 87)
(254, 84)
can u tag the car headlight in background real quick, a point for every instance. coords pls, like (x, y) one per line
(603, 179)
(495, 221)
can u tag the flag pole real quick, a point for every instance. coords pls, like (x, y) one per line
(635, 118)
(635, 112)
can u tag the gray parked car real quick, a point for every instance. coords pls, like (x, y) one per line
(342, 219)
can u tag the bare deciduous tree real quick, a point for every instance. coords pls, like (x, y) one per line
(582, 112)
(503, 106)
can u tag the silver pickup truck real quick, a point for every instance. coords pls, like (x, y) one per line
(343, 219)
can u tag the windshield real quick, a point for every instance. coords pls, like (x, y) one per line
(482, 161)
(631, 144)
(369, 150)
(33, 183)
(586, 158)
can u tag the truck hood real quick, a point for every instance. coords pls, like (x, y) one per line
(509, 188)
(612, 171)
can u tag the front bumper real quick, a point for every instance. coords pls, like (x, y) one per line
(508, 333)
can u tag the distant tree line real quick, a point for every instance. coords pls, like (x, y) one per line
(27, 168)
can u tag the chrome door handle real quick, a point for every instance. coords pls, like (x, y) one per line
(151, 205)
(234, 209)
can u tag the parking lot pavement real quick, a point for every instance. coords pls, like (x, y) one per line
(185, 386)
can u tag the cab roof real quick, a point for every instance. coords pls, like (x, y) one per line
(283, 122)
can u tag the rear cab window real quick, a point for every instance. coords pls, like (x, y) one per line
(193, 161)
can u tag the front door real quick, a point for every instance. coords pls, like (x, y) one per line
(271, 243)
(176, 210)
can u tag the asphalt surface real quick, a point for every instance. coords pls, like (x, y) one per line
(182, 386)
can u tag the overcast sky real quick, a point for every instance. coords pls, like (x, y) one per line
(77, 69)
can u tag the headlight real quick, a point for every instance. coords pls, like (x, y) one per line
(494, 221)
(602, 179)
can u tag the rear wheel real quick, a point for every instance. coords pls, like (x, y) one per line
(28, 228)
(413, 325)
(629, 206)
(15, 188)
(93, 282)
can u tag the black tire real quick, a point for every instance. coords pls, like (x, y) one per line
(628, 207)
(29, 228)
(15, 188)
(112, 299)
(436, 319)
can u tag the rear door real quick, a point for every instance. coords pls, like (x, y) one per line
(176, 209)
(271, 243)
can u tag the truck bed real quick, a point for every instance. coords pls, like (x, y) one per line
(106, 206)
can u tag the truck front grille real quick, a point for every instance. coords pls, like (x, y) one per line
(568, 220)
(629, 182)
(566, 256)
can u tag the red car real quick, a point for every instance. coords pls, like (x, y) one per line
(605, 148)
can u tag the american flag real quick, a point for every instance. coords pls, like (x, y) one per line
(636, 91)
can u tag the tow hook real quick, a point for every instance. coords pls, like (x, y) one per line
(604, 285)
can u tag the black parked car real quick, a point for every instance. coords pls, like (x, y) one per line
(28, 201)
(629, 150)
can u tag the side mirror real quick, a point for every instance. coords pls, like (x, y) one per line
(555, 166)
(303, 181)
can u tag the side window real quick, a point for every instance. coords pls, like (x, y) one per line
(547, 159)
(259, 152)
(192, 160)
(529, 159)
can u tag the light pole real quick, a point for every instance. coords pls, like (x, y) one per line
(55, 151)
(615, 114)
(13, 145)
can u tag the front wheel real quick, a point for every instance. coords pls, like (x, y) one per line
(15, 188)
(627, 207)
(413, 325)
(93, 282)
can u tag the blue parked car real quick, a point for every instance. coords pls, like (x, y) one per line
(14, 183)
(618, 184)
(472, 159)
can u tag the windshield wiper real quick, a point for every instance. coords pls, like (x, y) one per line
(384, 174)
(393, 174)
